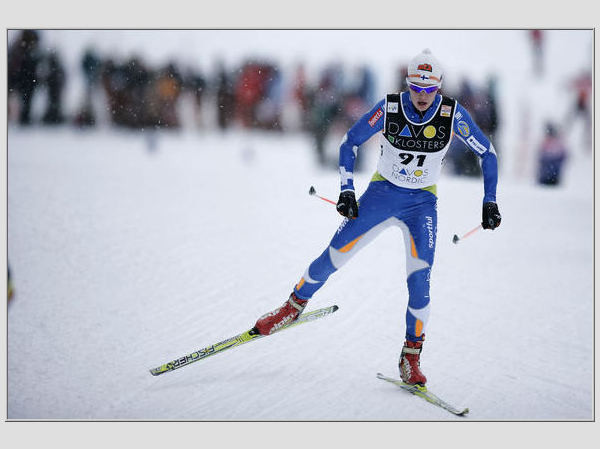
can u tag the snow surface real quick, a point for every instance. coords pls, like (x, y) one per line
(124, 259)
(128, 250)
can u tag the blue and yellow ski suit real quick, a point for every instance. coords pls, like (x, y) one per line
(402, 192)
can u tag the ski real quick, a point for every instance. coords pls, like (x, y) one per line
(240, 339)
(424, 393)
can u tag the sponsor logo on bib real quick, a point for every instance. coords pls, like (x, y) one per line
(409, 176)
(429, 132)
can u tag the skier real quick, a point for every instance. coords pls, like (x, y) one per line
(416, 127)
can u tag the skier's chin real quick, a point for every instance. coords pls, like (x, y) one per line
(422, 105)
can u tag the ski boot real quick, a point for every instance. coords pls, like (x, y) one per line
(275, 320)
(409, 362)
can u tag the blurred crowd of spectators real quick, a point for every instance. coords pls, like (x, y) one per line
(28, 69)
(256, 94)
(482, 104)
(135, 95)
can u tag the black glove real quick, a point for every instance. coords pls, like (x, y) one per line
(346, 205)
(490, 216)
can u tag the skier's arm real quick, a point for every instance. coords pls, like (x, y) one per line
(467, 130)
(361, 131)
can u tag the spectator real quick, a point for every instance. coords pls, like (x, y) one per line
(23, 60)
(552, 155)
(9, 284)
(225, 98)
(270, 105)
(195, 84)
(165, 93)
(492, 109)
(249, 91)
(91, 66)
(127, 87)
(137, 81)
(537, 44)
(582, 85)
(325, 109)
(54, 78)
(464, 162)
(301, 96)
(114, 82)
(366, 85)
(359, 96)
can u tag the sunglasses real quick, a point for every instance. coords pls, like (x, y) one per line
(419, 89)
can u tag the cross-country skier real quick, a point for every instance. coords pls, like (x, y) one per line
(416, 128)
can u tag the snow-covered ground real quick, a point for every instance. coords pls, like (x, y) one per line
(124, 258)
(129, 250)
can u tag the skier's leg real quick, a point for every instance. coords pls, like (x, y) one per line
(419, 237)
(350, 238)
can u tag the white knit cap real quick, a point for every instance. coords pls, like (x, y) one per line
(426, 69)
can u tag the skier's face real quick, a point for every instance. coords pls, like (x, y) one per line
(422, 99)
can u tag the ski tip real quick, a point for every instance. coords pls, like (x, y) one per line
(312, 190)
(463, 412)
(334, 308)
(160, 370)
(455, 239)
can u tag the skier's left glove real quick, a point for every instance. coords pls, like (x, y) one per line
(491, 217)
(346, 204)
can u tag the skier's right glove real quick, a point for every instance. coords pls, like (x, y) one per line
(346, 204)
(490, 216)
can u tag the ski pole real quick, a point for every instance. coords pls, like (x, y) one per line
(456, 238)
(313, 192)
